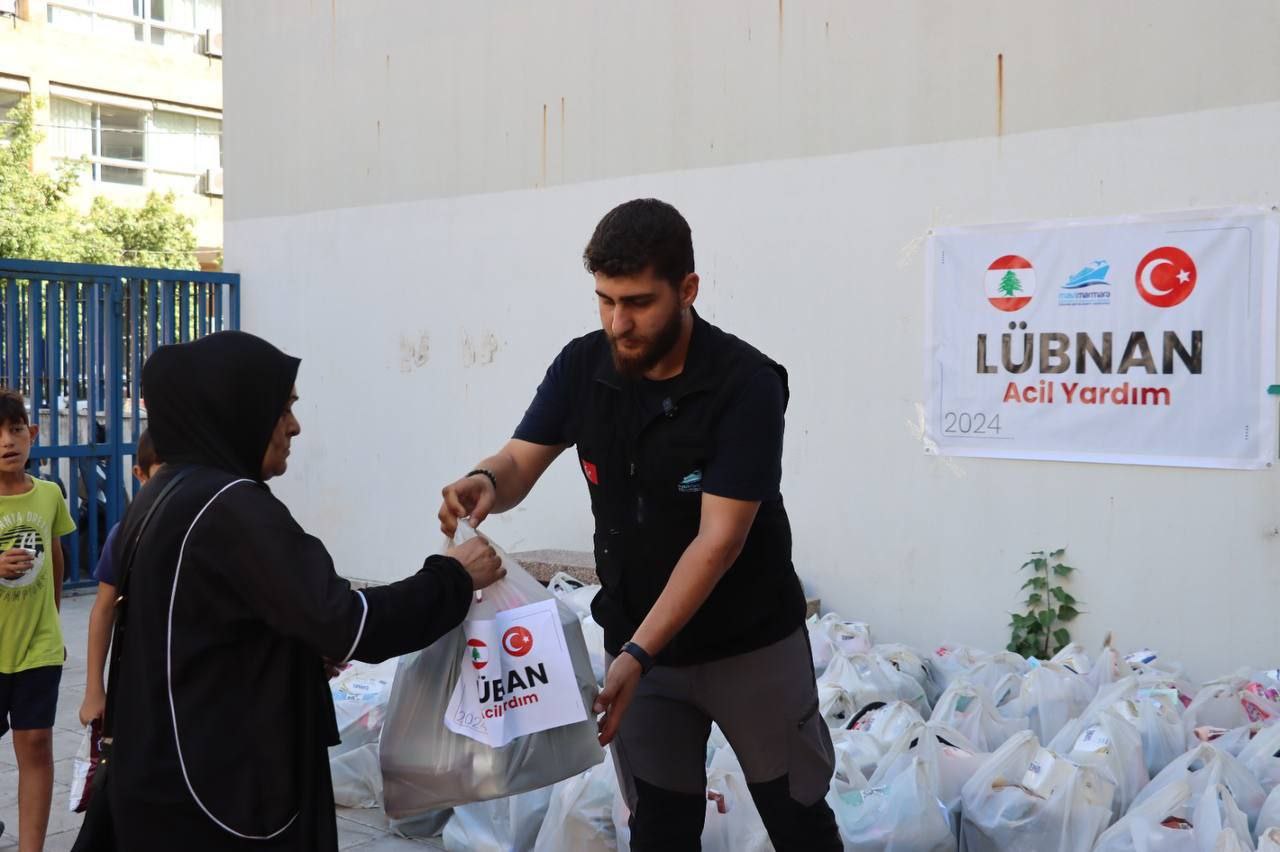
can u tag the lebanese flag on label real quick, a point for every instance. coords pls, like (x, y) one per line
(1010, 282)
(593, 475)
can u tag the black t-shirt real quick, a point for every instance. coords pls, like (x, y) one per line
(746, 457)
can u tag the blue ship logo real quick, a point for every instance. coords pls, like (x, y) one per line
(691, 483)
(1093, 274)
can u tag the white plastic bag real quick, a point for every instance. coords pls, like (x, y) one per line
(1075, 658)
(1160, 824)
(427, 767)
(820, 646)
(1103, 740)
(360, 695)
(1204, 767)
(994, 671)
(1269, 816)
(732, 822)
(949, 661)
(857, 749)
(1178, 820)
(357, 777)
(907, 661)
(1234, 702)
(502, 825)
(1025, 799)
(573, 593)
(949, 760)
(848, 637)
(903, 815)
(87, 763)
(593, 635)
(867, 678)
(1159, 719)
(1259, 756)
(579, 817)
(887, 723)
(970, 709)
(1051, 696)
(1217, 814)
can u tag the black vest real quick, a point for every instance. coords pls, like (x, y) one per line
(643, 473)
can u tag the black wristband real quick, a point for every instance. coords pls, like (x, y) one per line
(486, 473)
(641, 655)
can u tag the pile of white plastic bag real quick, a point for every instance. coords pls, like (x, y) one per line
(960, 749)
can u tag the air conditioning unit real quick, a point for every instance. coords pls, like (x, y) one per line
(211, 44)
(211, 184)
(9, 7)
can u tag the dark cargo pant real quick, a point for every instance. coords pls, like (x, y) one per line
(766, 703)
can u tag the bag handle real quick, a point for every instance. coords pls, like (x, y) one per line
(122, 598)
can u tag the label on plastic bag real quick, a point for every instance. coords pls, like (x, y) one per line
(1094, 739)
(1144, 657)
(851, 637)
(1045, 773)
(516, 677)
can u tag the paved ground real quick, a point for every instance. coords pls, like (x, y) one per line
(365, 830)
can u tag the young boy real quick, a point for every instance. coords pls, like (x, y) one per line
(33, 515)
(103, 617)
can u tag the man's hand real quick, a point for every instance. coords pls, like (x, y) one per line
(619, 688)
(16, 562)
(481, 561)
(470, 497)
(331, 669)
(94, 705)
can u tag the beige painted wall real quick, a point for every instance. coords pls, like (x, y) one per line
(347, 104)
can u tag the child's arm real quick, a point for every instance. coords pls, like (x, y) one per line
(58, 569)
(101, 620)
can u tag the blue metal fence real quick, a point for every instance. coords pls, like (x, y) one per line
(73, 338)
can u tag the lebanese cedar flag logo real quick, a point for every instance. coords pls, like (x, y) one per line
(1010, 282)
(478, 651)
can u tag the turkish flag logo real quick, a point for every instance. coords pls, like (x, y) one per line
(593, 475)
(517, 641)
(1166, 277)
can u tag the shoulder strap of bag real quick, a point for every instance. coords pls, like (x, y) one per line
(122, 595)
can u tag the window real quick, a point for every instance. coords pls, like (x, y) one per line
(8, 100)
(160, 149)
(165, 23)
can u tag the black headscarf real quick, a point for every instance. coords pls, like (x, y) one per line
(216, 401)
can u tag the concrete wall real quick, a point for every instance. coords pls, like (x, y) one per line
(423, 260)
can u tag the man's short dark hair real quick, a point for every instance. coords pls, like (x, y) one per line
(146, 457)
(13, 409)
(639, 235)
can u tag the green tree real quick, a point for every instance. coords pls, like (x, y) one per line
(155, 234)
(38, 221)
(1010, 284)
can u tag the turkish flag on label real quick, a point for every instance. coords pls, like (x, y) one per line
(593, 475)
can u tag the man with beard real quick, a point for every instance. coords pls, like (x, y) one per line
(678, 427)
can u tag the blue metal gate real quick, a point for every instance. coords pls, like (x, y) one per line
(73, 338)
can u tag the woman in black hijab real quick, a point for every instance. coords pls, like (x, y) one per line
(222, 714)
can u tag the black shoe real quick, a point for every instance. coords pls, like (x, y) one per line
(1, 828)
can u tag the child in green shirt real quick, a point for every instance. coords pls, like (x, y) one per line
(33, 515)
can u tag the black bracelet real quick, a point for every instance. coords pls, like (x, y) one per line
(641, 655)
(486, 473)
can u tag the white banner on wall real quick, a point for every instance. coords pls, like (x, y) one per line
(1135, 340)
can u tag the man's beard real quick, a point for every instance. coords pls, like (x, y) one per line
(635, 366)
